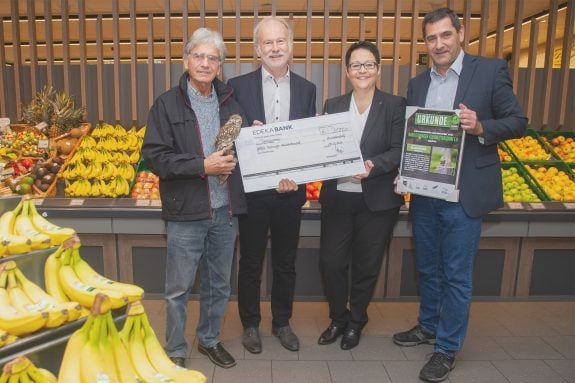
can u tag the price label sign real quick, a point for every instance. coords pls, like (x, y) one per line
(515, 205)
(76, 202)
(156, 203)
(569, 205)
(38, 201)
(142, 202)
(537, 205)
(43, 144)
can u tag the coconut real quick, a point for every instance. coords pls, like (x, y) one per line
(76, 133)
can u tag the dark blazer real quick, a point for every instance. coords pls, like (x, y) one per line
(381, 143)
(485, 87)
(248, 93)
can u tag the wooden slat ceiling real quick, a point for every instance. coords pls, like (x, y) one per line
(294, 9)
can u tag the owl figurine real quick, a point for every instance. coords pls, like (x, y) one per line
(226, 137)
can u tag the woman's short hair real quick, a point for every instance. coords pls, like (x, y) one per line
(362, 45)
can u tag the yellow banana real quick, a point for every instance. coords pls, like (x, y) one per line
(139, 358)
(7, 219)
(38, 296)
(91, 277)
(161, 361)
(52, 275)
(92, 365)
(124, 366)
(56, 233)
(16, 323)
(70, 367)
(21, 302)
(83, 293)
(106, 348)
(40, 375)
(23, 226)
(15, 244)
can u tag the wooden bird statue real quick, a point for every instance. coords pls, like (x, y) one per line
(226, 137)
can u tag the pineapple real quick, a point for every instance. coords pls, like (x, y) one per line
(41, 108)
(65, 116)
(57, 110)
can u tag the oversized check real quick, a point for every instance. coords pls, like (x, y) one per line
(310, 149)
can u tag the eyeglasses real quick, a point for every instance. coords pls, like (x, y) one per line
(368, 65)
(200, 57)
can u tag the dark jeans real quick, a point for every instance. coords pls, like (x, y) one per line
(353, 237)
(446, 241)
(276, 215)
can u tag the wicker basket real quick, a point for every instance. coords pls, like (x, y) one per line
(22, 128)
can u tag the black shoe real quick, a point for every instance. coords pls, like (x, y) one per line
(438, 368)
(178, 361)
(218, 355)
(350, 339)
(417, 335)
(287, 337)
(251, 340)
(330, 334)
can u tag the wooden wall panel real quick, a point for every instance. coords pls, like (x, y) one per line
(66, 42)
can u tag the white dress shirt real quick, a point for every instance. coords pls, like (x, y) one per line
(276, 97)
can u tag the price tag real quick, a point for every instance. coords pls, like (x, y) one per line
(142, 202)
(76, 202)
(515, 205)
(38, 201)
(156, 203)
(536, 205)
(41, 126)
(569, 205)
(43, 144)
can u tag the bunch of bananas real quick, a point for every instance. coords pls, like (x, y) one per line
(131, 355)
(26, 308)
(103, 165)
(23, 370)
(24, 229)
(69, 278)
(116, 187)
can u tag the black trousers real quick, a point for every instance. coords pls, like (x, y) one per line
(278, 216)
(353, 238)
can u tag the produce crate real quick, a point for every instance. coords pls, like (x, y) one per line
(512, 182)
(529, 148)
(146, 185)
(504, 153)
(555, 178)
(561, 143)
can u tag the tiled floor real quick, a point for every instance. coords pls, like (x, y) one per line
(518, 342)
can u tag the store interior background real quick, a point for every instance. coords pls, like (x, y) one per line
(116, 56)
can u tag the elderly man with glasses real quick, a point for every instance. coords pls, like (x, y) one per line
(179, 147)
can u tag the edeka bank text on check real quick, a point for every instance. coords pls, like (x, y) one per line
(306, 150)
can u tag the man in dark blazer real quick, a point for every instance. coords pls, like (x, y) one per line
(272, 93)
(447, 234)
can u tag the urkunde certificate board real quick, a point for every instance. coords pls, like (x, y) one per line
(432, 153)
(305, 150)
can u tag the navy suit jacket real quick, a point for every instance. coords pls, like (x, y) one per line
(381, 143)
(248, 93)
(485, 87)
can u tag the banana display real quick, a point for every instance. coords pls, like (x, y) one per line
(22, 370)
(24, 229)
(103, 165)
(97, 352)
(26, 308)
(69, 278)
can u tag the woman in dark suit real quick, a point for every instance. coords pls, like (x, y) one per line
(358, 213)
